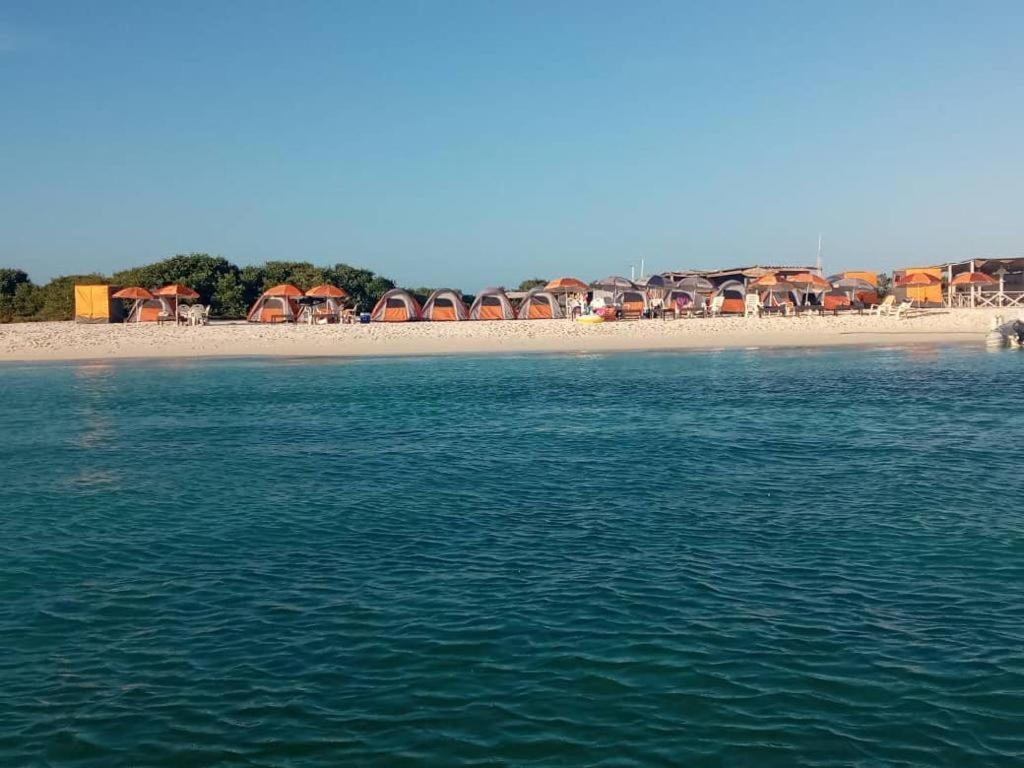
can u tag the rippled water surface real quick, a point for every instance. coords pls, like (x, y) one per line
(719, 559)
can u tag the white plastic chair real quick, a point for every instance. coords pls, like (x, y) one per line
(752, 305)
(903, 309)
(198, 314)
(886, 306)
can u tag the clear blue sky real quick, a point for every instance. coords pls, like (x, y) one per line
(473, 143)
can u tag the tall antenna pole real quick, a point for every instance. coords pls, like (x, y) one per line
(641, 269)
(818, 262)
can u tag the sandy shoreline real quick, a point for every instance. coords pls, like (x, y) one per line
(67, 341)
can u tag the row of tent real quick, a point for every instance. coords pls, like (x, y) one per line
(286, 303)
(399, 306)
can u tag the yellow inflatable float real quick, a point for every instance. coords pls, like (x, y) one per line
(589, 319)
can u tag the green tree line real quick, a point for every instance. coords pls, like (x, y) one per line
(229, 290)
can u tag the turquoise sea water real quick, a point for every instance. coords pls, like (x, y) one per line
(714, 559)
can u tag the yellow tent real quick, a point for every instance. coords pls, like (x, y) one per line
(94, 305)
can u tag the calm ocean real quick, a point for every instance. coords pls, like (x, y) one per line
(713, 559)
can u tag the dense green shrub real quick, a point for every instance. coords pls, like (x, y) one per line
(229, 290)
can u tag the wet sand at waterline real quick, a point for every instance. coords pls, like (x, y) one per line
(68, 341)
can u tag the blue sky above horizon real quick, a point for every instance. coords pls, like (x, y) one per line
(475, 143)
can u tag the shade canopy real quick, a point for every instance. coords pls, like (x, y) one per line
(851, 283)
(614, 282)
(327, 291)
(919, 278)
(567, 285)
(285, 290)
(807, 280)
(973, 278)
(134, 292)
(771, 280)
(696, 284)
(653, 281)
(177, 290)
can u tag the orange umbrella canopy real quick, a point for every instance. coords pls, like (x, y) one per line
(973, 278)
(284, 289)
(771, 280)
(567, 284)
(133, 293)
(177, 290)
(326, 291)
(806, 278)
(919, 278)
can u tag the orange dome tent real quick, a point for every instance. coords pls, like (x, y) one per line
(540, 305)
(396, 306)
(492, 304)
(276, 305)
(147, 307)
(445, 304)
(733, 297)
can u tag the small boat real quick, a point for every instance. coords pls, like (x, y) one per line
(1006, 334)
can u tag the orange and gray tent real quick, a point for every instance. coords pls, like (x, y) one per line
(492, 304)
(276, 305)
(633, 301)
(735, 297)
(680, 298)
(138, 296)
(539, 304)
(396, 306)
(445, 304)
(152, 309)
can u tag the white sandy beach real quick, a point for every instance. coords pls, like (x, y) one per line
(68, 341)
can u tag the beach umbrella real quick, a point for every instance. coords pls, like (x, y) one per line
(136, 293)
(771, 280)
(774, 286)
(326, 291)
(851, 284)
(176, 291)
(285, 290)
(973, 278)
(918, 279)
(695, 284)
(615, 283)
(133, 293)
(567, 285)
(809, 283)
